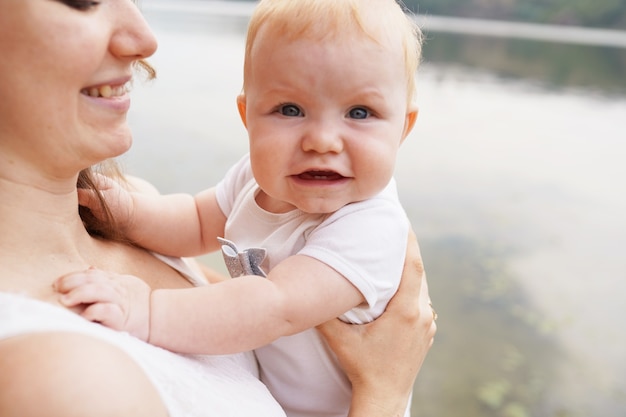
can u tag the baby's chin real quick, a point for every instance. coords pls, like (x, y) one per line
(322, 205)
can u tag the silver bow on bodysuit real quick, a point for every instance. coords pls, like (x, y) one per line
(247, 262)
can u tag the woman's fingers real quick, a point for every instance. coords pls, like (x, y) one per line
(341, 337)
(413, 299)
(413, 279)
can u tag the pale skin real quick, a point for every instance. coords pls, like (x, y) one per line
(53, 51)
(315, 152)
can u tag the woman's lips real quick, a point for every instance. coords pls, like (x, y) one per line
(106, 91)
(113, 95)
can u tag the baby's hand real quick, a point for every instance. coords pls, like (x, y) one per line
(118, 199)
(121, 302)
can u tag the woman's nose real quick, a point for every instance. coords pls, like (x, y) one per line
(133, 38)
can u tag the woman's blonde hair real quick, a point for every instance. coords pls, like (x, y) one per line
(380, 20)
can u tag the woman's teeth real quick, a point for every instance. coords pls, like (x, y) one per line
(106, 91)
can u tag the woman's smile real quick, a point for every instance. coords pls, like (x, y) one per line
(113, 94)
(106, 91)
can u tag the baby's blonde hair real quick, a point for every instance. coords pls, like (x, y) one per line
(383, 21)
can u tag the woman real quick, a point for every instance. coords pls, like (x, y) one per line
(63, 75)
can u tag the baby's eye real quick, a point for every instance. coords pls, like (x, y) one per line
(359, 113)
(290, 110)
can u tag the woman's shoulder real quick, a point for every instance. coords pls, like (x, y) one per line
(61, 354)
(70, 374)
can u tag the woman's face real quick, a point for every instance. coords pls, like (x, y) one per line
(64, 69)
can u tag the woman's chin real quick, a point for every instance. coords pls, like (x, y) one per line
(118, 144)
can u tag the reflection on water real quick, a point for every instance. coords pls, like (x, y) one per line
(553, 65)
(513, 179)
(494, 355)
(516, 193)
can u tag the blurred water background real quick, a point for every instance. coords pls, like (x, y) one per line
(513, 178)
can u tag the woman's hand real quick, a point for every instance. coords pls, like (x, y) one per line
(382, 358)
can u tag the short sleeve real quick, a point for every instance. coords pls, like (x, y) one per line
(231, 185)
(366, 243)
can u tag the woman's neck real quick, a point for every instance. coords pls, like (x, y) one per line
(40, 217)
(41, 235)
(42, 238)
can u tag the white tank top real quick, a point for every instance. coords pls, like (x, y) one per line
(190, 385)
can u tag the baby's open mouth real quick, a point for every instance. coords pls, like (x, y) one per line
(320, 176)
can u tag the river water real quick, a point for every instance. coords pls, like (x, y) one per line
(514, 180)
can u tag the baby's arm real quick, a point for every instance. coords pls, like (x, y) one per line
(248, 312)
(231, 316)
(174, 224)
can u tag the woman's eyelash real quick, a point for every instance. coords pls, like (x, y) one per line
(81, 4)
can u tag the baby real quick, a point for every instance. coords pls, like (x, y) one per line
(328, 98)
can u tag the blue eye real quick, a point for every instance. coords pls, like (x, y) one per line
(359, 113)
(290, 110)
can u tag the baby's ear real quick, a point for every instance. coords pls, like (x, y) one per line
(241, 106)
(409, 121)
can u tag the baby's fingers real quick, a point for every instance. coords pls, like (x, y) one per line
(68, 282)
(86, 287)
(89, 198)
(102, 182)
(110, 315)
(89, 294)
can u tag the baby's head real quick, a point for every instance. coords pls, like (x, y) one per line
(382, 21)
(328, 98)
